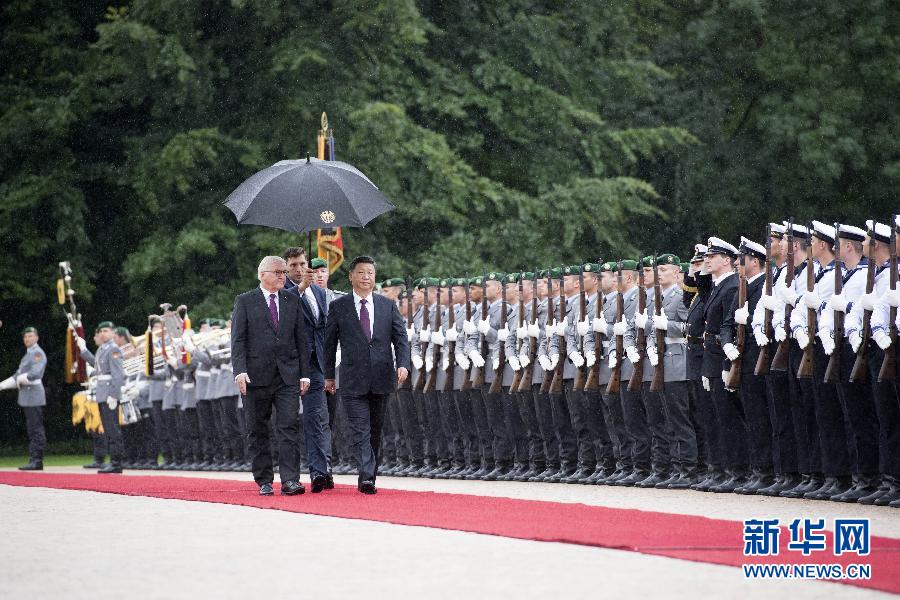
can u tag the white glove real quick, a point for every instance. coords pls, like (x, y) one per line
(892, 297)
(620, 327)
(731, 351)
(410, 334)
(560, 328)
(437, 338)
(640, 319)
(827, 343)
(582, 327)
(780, 334)
(839, 303)
(771, 303)
(469, 327)
(82, 345)
(812, 299)
(495, 363)
(337, 357)
(869, 301)
(589, 359)
(801, 337)
(661, 322)
(503, 334)
(463, 361)
(189, 344)
(22, 380)
(705, 381)
(445, 363)
(524, 360)
(554, 360)
(514, 363)
(577, 359)
(633, 355)
(452, 334)
(600, 326)
(424, 335)
(882, 339)
(476, 358)
(855, 341)
(613, 361)
(786, 294)
(725, 376)
(761, 339)
(742, 315)
(417, 362)
(545, 363)
(484, 325)
(112, 403)
(522, 332)
(8, 384)
(429, 363)
(652, 356)
(534, 330)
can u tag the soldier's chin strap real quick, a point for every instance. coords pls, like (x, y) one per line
(9, 383)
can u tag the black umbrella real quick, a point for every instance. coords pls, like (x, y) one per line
(307, 194)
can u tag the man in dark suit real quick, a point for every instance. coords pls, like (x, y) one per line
(376, 357)
(317, 434)
(270, 356)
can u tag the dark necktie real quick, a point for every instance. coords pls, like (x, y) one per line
(273, 310)
(364, 319)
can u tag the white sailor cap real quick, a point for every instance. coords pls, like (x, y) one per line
(751, 248)
(897, 222)
(720, 246)
(777, 229)
(796, 229)
(699, 252)
(849, 232)
(823, 231)
(879, 231)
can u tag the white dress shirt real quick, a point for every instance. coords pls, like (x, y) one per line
(311, 298)
(369, 308)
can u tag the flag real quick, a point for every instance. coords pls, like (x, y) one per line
(76, 369)
(329, 242)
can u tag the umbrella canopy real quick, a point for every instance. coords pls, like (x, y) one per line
(307, 194)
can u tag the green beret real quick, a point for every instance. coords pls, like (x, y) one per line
(667, 259)
(105, 325)
(29, 329)
(445, 282)
(609, 267)
(205, 321)
(627, 265)
(591, 268)
(317, 263)
(543, 273)
(528, 275)
(394, 281)
(685, 267)
(476, 281)
(647, 261)
(378, 286)
(495, 276)
(513, 278)
(556, 272)
(123, 331)
(572, 269)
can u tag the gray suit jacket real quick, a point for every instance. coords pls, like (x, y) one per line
(109, 369)
(33, 364)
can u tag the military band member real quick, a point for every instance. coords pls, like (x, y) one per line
(28, 379)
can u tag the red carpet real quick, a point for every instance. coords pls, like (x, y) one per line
(678, 536)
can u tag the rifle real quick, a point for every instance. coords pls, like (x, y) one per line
(497, 384)
(557, 386)
(740, 338)
(548, 377)
(420, 382)
(467, 377)
(780, 362)
(806, 362)
(431, 382)
(517, 375)
(640, 338)
(762, 361)
(888, 370)
(580, 372)
(451, 346)
(833, 370)
(615, 375)
(659, 374)
(478, 380)
(859, 366)
(528, 376)
(593, 378)
(407, 385)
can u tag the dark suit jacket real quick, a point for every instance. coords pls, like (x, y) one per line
(366, 367)
(261, 351)
(721, 298)
(315, 328)
(729, 327)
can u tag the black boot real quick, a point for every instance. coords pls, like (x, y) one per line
(832, 486)
(500, 469)
(863, 485)
(638, 474)
(547, 473)
(114, 466)
(34, 464)
(893, 493)
(656, 476)
(760, 481)
(97, 464)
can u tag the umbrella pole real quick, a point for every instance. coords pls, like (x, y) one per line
(309, 244)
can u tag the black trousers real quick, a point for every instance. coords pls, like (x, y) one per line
(365, 419)
(468, 431)
(133, 439)
(544, 414)
(704, 424)
(172, 432)
(660, 429)
(394, 445)
(163, 444)
(112, 432)
(482, 425)
(338, 422)
(527, 412)
(34, 426)
(784, 444)
(623, 447)
(413, 438)
(806, 429)
(636, 425)
(859, 406)
(496, 418)
(888, 411)
(835, 437)
(562, 425)
(150, 450)
(259, 402)
(731, 424)
(584, 439)
(759, 424)
(451, 428)
(516, 432)
(683, 443)
(435, 442)
(232, 438)
(189, 431)
(101, 448)
(211, 439)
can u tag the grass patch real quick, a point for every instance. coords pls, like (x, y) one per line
(69, 460)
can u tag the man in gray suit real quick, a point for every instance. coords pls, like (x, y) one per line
(371, 333)
(32, 399)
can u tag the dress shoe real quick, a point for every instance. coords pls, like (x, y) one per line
(862, 487)
(479, 473)
(454, 472)
(895, 503)
(887, 498)
(111, 468)
(292, 488)
(654, 478)
(499, 471)
(329, 481)
(563, 473)
(620, 473)
(97, 464)
(736, 480)
(533, 471)
(798, 490)
(681, 481)
(580, 475)
(756, 483)
(266, 490)
(33, 465)
(714, 478)
(816, 480)
(832, 486)
(635, 476)
(546, 474)
(318, 483)
(367, 487)
(511, 474)
(783, 481)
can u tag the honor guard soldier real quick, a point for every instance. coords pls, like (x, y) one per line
(28, 379)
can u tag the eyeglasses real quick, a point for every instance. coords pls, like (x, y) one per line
(281, 273)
